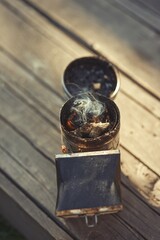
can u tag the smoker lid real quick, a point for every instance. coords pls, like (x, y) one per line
(91, 74)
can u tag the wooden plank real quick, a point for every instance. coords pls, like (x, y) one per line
(58, 59)
(138, 133)
(25, 216)
(135, 130)
(16, 163)
(28, 122)
(41, 44)
(141, 178)
(140, 96)
(29, 85)
(30, 171)
(134, 52)
(128, 218)
(139, 12)
(151, 4)
(28, 167)
(37, 93)
(11, 144)
(10, 147)
(21, 175)
(22, 83)
(121, 229)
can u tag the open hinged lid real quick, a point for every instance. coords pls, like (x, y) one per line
(91, 74)
(88, 183)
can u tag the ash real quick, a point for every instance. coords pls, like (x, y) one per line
(88, 117)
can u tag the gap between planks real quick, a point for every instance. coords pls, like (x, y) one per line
(20, 141)
(81, 20)
(35, 20)
(31, 221)
(47, 200)
(132, 160)
(139, 12)
(151, 4)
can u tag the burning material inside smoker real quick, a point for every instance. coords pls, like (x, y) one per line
(89, 117)
(89, 123)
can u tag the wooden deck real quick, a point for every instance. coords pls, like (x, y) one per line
(37, 41)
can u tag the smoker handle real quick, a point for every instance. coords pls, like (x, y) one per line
(94, 223)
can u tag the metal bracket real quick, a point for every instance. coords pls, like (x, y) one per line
(95, 220)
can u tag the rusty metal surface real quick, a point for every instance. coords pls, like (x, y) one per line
(89, 211)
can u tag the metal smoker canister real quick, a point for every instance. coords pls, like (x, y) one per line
(107, 141)
(88, 174)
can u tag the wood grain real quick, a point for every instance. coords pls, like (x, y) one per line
(30, 86)
(28, 92)
(136, 130)
(35, 179)
(140, 12)
(25, 215)
(49, 37)
(142, 178)
(25, 87)
(136, 53)
(151, 4)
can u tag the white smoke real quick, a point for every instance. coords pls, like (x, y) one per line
(87, 108)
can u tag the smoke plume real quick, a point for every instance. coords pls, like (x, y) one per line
(89, 117)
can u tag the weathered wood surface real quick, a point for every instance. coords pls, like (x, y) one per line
(127, 96)
(34, 52)
(151, 4)
(143, 11)
(29, 218)
(131, 46)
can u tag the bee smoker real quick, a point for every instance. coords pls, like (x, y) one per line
(88, 171)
